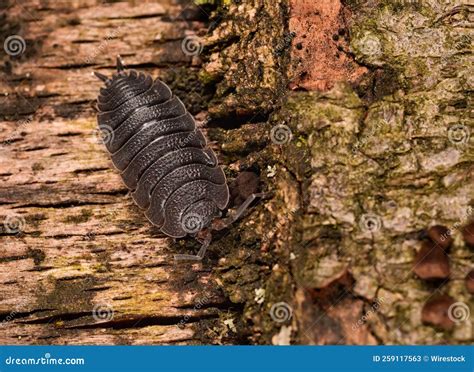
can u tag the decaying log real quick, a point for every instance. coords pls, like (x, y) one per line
(79, 262)
(356, 114)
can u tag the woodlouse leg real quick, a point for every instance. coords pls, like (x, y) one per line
(241, 210)
(202, 251)
(94, 106)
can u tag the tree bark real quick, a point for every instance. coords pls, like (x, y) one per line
(368, 145)
(79, 262)
(356, 115)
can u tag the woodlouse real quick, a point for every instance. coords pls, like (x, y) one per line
(162, 156)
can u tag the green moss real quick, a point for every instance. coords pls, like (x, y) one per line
(84, 216)
(240, 142)
(186, 84)
(244, 88)
(211, 2)
(37, 254)
(101, 268)
(207, 78)
(35, 219)
(37, 167)
(65, 296)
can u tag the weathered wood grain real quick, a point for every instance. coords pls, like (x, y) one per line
(82, 246)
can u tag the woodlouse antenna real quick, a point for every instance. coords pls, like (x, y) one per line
(120, 65)
(101, 76)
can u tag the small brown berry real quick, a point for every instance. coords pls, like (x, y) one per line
(441, 235)
(468, 234)
(470, 282)
(431, 262)
(435, 312)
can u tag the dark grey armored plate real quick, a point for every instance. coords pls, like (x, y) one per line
(153, 141)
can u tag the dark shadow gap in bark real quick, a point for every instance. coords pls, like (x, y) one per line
(235, 121)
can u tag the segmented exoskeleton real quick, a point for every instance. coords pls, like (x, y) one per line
(153, 141)
(162, 156)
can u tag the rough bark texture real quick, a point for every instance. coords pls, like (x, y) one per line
(79, 263)
(356, 115)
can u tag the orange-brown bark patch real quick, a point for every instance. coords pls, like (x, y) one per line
(319, 49)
